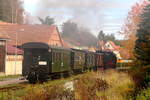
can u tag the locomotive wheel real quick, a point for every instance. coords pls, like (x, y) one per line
(65, 75)
(32, 78)
(42, 80)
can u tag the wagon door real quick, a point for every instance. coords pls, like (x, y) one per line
(78, 60)
(65, 58)
(60, 60)
(56, 61)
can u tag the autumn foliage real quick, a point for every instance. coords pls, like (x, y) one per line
(131, 26)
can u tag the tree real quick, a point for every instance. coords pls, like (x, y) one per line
(11, 11)
(110, 37)
(104, 38)
(101, 36)
(142, 50)
(131, 26)
(70, 29)
(47, 21)
(142, 46)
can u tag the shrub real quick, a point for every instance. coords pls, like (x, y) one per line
(144, 95)
(107, 85)
(56, 92)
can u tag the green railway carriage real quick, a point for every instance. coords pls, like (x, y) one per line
(78, 60)
(42, 61)
(60, 60)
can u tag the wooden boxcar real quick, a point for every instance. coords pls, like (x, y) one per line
(90, 60)
(99, 63)
(109, 59)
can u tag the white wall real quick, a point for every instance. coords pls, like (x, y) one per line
(13, 64)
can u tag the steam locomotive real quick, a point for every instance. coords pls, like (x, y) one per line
(42, 61)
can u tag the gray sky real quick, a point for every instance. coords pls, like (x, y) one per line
(106, 15)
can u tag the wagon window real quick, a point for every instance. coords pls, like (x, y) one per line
(54, 56)
(28, 53)
(59, 56)
(77, 58)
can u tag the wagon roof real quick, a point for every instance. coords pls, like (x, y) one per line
(40, 45)
(77, 50)
(62, 48)
(36, 45)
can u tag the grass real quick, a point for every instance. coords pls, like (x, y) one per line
(2, 78)
(107, 85)
(31, 89)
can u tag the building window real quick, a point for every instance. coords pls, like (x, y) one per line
(2, 43)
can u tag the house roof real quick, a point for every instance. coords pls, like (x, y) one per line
(3, 34)
(66, 44)
(13, 50)
(115, 47)
(19, 34)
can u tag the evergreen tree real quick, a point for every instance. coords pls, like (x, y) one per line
(101, 36)
(142, 47)
(105, 38)
(47, 21)
(11, 11)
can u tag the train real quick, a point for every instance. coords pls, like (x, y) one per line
(42, 62)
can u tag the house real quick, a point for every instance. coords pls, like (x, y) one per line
(110, 46)
(14, 57)
(16, 35)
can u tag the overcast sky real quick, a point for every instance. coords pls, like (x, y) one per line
(106, 15)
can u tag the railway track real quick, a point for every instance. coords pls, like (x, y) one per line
(11, 88)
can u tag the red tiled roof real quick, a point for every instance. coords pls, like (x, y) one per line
(13, 50)
(30, 33)
(65, 44)
(114, 45)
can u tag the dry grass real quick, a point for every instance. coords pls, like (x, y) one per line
(104, 85)
(108, 85)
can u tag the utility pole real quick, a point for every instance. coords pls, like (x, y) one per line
(16, 53)
(12, 11)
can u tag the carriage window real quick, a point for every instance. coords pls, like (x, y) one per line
(28, 53)
(54, 56)
(57, 56)
(78, 58)
(60, 55)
